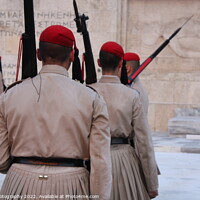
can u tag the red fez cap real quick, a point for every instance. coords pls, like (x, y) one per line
(113, 48)
(57, 34)
(131, 57)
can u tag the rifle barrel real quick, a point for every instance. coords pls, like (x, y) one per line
(29, 16)
(29, 61)
(77, 19)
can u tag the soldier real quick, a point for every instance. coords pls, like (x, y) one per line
(132, 63)
(126, 124)
(50, 125)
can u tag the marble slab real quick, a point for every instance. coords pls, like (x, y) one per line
(184, 125)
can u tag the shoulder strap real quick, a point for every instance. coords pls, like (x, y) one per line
(13, 84)
(91, 88)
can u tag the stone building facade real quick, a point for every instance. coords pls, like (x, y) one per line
(173, 77)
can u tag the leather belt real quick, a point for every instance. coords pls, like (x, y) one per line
(120, 140)
(63, 162)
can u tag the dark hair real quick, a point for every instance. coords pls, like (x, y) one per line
(133, 63)
(54, 51)
(108, 60)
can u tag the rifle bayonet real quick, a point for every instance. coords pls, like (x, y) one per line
(150, 58)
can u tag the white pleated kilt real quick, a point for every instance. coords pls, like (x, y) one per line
(127, 183)
(35, 182)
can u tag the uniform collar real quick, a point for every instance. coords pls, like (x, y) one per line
(56, 69)
(109, 79)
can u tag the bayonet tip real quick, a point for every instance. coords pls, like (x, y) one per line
(187, 21)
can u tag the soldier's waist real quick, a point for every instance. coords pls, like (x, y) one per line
(50, 161)
(121, 140)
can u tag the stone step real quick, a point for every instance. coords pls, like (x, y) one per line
(185, 125)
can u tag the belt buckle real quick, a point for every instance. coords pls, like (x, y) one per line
(43, 177)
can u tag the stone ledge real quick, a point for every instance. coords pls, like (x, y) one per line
(186, 122)
(185, 125)
(163, 142)
(193, 137)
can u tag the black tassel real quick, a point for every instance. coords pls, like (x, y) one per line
(124, 76)
(76, 68)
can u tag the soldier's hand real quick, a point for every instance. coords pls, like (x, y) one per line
(153, 194)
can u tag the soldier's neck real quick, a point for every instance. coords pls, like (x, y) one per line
(112, 73)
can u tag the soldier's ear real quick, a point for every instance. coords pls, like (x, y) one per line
(71, 55)
(38, 55)
(120, 63)
(99, 62)
(128, 67)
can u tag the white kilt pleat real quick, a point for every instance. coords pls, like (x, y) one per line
(23, 182)
(127, 182)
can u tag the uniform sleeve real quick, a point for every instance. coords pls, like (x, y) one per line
(100, 175)
(5, 158)
(1, 83)
(144, 145)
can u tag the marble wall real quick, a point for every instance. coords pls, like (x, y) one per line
(172, 79)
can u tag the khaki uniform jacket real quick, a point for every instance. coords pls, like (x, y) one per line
(51, 115)
(127, 119)
(1, 83)
(137, 85)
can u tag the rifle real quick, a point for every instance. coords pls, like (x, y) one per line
(150, 58)
(80, 20)
(4, 87)
(29, 61)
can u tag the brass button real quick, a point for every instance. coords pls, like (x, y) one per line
(43, 177)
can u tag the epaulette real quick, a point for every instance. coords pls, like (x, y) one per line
(12, 85)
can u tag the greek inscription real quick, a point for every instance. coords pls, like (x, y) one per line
(12, 22)
(10, 33)
(9, 66)
(44, 24)
(52, 15)
(11, 15)
(9, 73)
